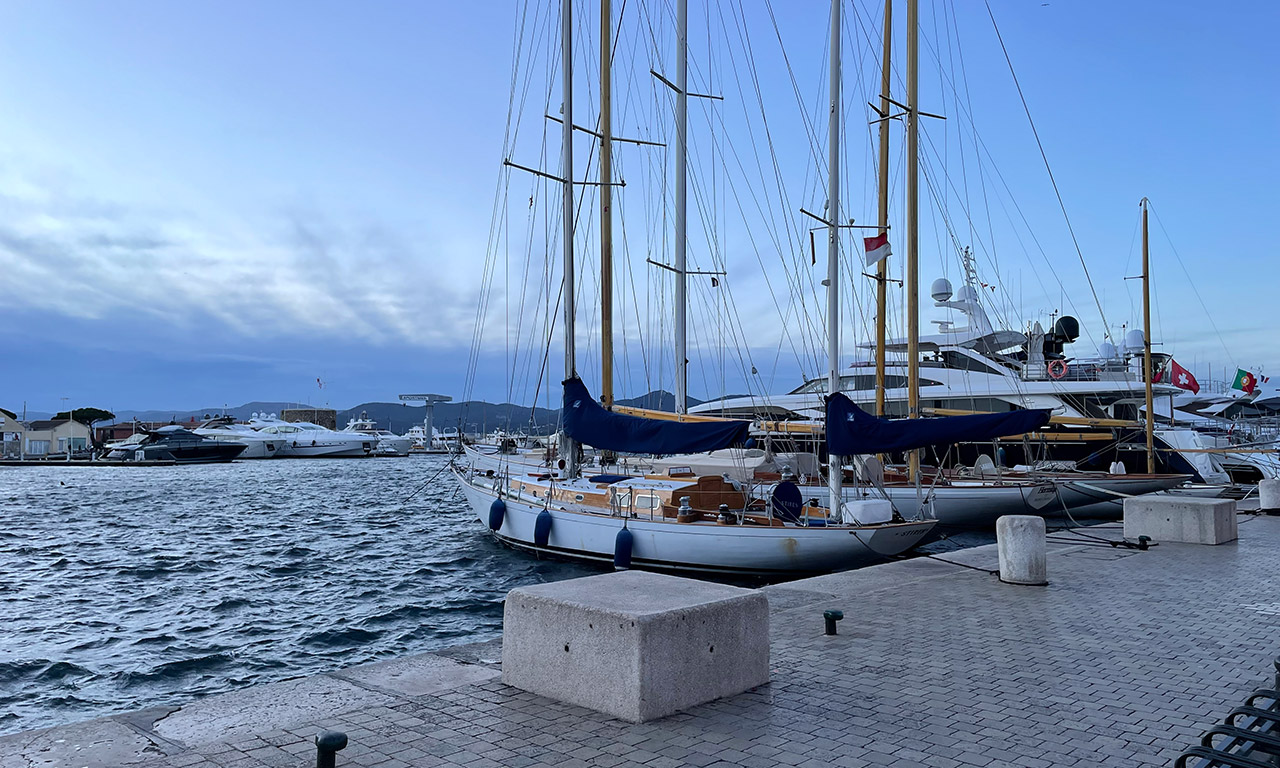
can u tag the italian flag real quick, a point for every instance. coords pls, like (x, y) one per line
(1245, 382)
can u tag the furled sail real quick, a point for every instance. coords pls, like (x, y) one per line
(589, 423)
(852, 431)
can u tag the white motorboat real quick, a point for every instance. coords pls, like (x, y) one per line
(257, 444)
(388, 442)
(304, 439)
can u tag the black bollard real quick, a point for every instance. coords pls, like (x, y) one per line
(1276, 664)
(327, 746)
(831, 617)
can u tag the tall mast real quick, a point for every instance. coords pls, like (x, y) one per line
(882, 268)
(682, 118)
(913, 227)
(1146, 345)
(568, 446)
(606, 202)
(833, 244)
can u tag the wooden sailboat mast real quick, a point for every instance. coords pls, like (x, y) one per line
(568, 446)
(882, 268)
(833, 245)
(1146, 345)
(606, 204)
(681, 212)
(913, 226)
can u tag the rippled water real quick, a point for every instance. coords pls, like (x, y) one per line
(123, 588)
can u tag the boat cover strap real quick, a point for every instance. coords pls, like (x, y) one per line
(852, 431)
(589, 423)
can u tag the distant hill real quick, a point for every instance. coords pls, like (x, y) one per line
(470, 416)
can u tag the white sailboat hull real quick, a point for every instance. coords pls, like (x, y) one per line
(707, 547)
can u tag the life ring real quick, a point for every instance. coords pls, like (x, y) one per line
(1057, 369)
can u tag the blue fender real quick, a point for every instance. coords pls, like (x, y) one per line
(622, 550)
(542, 529)
(497, 513)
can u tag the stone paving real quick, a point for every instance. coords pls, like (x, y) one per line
(1124, 659)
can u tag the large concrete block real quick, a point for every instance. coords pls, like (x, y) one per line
(635, 645)
(1180, 519)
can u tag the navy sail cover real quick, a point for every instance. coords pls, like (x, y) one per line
(852, 431)
(589, 423)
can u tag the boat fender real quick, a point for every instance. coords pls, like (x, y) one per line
(542, 529)
(622, 550)
(497, 512)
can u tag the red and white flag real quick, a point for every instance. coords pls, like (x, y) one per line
(877, 248)
(1180, 377)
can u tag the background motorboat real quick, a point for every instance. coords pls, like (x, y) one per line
(174, 443)
(307, 440)
(388, 442)
(257, 444)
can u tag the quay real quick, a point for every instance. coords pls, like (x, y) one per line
(1125, 658)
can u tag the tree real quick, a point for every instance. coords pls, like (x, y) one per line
(86, 416)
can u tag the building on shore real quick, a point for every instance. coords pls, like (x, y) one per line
(48, 436)
(12, 433)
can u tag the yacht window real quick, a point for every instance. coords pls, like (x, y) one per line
(646, 502)
(962, 362)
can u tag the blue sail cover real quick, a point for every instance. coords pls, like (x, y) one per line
(852, 431)
(589, 423)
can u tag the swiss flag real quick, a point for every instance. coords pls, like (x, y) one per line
(1180, 377)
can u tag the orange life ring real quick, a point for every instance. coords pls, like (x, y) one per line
(1057, 369)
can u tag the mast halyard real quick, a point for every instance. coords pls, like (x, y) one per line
(606, 203)
(913, 227)
(681, 212)
(882, 268)
(1146, 345)
(568, 446)
(833, 248)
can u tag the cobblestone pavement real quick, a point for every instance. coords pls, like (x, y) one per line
(1124, 659)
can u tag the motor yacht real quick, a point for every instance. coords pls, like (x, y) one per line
(174, 443)
(304, 439)
(258, 445)
(388, 442)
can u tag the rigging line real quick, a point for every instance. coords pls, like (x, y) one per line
(1062, 204)
(1221, 339)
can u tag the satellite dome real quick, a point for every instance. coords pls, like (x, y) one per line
(967, 293)
(941, 289)
(1067, 328)
(1107, 351)
(1135, 341)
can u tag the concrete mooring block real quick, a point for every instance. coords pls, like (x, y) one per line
(633, 644)
(1269, 496)
(1020, 544)
(1180, 519)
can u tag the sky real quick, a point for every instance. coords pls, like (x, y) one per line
(206, 203)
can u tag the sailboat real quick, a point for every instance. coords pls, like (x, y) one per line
(681, 523)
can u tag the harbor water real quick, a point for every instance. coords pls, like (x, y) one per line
(124, 588)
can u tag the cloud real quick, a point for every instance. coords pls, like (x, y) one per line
(295, 273)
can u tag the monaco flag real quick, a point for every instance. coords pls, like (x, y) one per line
(877, 247)
(1180, 377)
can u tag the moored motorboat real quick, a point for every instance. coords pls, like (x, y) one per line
(174, 443)
(304, 439)
(257, 444)
(388, 443)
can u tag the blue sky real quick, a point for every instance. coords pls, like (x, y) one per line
(221, 202)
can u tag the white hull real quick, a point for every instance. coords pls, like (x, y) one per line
(330, 450)
(394, 446)
(668, 545)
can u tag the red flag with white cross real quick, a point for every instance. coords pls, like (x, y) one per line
(1180, 377)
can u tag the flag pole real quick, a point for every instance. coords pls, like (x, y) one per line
(1146, 345)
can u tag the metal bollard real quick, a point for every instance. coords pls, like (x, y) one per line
(327, 746)
(1276, 664)
(831, 617)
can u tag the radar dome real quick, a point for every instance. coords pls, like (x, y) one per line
(1135, 341)
(1107, 351)
(1067, 328)
(967, 293)
(941, 289)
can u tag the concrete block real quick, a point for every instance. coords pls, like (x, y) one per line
(1180, 519)
(1021, 547)
(1269, 497)
(633, 644)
